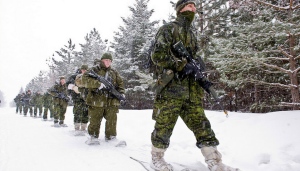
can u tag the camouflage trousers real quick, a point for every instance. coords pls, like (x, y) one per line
(166, 113)
(38, 108)
(26, 108)
(59, 112)
(80, 111)
(46, 108)
(17, 107)
(96, 115)
(20, 108)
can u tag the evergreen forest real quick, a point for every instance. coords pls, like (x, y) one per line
(251, 49)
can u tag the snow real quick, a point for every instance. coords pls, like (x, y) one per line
(251, 142)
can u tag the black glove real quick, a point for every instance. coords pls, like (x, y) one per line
(191, 69)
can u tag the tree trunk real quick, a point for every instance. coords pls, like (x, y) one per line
(293, 74)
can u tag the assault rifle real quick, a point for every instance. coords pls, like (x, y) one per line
(109, 86)
(59, 95)
(199, 76)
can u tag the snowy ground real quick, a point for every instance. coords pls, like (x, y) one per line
(251, 142)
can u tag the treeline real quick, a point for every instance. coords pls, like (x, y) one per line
(251, 49)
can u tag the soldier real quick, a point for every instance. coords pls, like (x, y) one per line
(101, 103)
(17, 101)
(60, 102)
(27, 103)
(21, 104)
(181, 95)
(80, 110)
(48, 105)
(37, 101)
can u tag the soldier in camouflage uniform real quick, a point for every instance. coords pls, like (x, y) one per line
(60, 102)
(80, 109)
(21, 104)
(101, 103)
(48, 105)
(37, 101)
(27, 103)
(17, 100)
(180, 95)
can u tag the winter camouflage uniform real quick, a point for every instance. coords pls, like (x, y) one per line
(27, 103)
(17, 100)
(37, 101)
(80, 109)
(48, 105)
(21, 104)
(179, 98)
(101, 103)
(178, 93)
(60, 101)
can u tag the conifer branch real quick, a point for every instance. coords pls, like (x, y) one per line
(272, 6)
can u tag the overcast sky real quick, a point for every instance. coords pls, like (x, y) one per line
(32, 30)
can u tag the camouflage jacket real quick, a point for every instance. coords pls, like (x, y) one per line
(37, 99)
(102, 97)
(47, 99)
(17, 99)
(166, 58)
(76, 97)
(59, 93)
(26, 99)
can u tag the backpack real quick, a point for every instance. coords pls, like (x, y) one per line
(153, 68)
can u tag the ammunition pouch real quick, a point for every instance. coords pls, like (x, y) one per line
(162, 80)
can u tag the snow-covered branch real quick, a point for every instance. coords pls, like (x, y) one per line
(284, 52)
(279, 58)
(289, 104)
(273, 6)
(275, 67)
(271, 84)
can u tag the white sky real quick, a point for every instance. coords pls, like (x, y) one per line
(32, 30)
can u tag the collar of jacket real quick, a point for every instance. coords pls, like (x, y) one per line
(185, 19)
(102, 66)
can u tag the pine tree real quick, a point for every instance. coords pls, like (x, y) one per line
(250, 63)
(130, 44)
(39, 83)
(93, 48)
(286, 56)
(64, 62)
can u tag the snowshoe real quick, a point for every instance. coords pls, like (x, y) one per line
(56, 125)
(63, 125)
(93, 141)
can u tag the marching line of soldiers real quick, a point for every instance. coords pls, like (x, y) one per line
(92, 101)
(34, 103)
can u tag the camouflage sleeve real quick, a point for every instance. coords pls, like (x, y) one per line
(162, 55)
(53, 91)
(89, 82)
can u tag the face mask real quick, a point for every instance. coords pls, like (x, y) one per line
(189, 15)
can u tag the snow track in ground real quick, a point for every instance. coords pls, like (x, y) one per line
(251, 142)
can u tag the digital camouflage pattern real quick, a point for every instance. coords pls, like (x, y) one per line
(60, 102)
(80, 109)
(21, 104)
(179, 97)
(37, 102)
(27, 103)
(17, 100)
(102, 103)
(48, 105)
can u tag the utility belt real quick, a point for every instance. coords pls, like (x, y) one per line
(103, 92)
